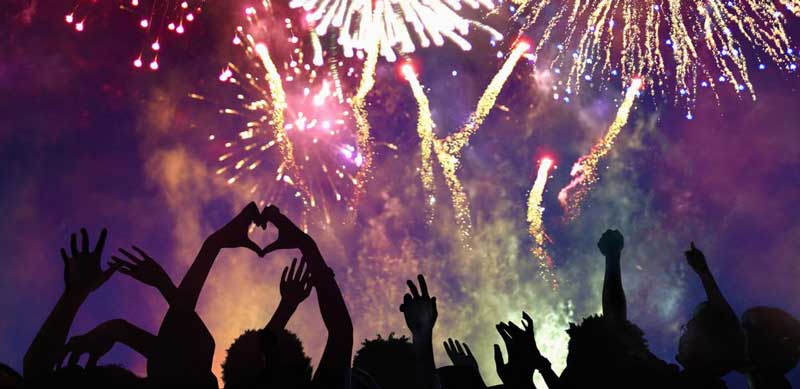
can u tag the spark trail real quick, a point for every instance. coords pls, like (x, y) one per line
(363, 137)
(679, 46)
(536, 225)
(584, 171)
(448, 150)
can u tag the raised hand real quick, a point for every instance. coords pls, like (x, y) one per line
(523, 354)
(419, 309)
(461, 356)
(234, 234)
(145, 270)
(697, 260)
(296, 285)
(611, 243)
(97, 343)
(82, 272)
(289, 235)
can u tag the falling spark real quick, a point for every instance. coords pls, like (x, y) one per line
(536, 225)
(677, 45)
(584, 171)
(153, 17)
(425, 131)
(448, 150)
(358, 22)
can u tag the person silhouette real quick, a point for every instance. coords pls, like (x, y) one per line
(712, 343)
(82, 276)
(9, 378)
(465, 372)
(773, 347)
(181, 353)
(420, 312)
(389, 361)
(273, 357)
(608, 350)
(333, 370)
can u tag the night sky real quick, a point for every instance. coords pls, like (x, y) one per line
(88, 140)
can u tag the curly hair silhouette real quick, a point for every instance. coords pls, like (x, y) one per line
(262, 359)
(389, 361)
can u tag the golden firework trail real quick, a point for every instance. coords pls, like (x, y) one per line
(363, 137)
(536, 225)
(448, 150)
(584, 171)
(293, 170)
(677, 45)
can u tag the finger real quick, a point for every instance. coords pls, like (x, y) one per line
(84, 241)
(448, 350)
(423, 286)
(283, 275)
(501, 328)
(291, 269)
(406, 300)
(64, 256)
(130, 256)
(528, 322)
(413, 288)
(101, 241)
(467, 350)
(498, 356)
(298, 275)
(73, 245)
(274, 246)
(142, 253)
(513, 327)
(458, 347)
(121, 262)
(693, 247)
(307, 273)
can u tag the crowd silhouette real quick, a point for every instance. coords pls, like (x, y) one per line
(605, 351)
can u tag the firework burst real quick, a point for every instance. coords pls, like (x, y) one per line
(154, 18)
(678, 46)
(359, 22)
(293, 107)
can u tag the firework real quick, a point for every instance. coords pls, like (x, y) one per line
(287, 97)
(536, 225)
(448, 150)
(584, 171)
(154, 18)
(679, 46)
(358, 22)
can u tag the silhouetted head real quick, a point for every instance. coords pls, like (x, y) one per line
(773, 340)
(9, 378)
(390, 361)
(106, 376)
(712, 342)
(261, 359)
(605, 353)
(359, 379)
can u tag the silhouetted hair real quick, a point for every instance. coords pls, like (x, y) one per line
(260, 359)
(773, 339)
(712, 341)
(389, 361)
(605, 353)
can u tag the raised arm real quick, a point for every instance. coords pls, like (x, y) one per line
(145, 270)
(336, 357)
(698, 263)
(523, 356)
(231, 235)
(82, 275)
(99, 341)
(614, 305)
(295, 287)
(420, 313)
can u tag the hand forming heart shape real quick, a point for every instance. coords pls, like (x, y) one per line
(235, 232)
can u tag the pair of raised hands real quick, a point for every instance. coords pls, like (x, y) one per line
(235, 233)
